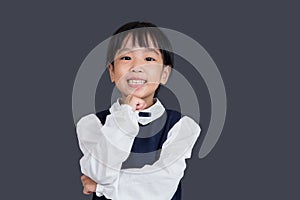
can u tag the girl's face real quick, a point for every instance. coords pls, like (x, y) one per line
(138, 71)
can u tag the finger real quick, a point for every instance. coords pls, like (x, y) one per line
(83, 177)
(82, 180)
(140, 106)
(127, 99)
(133, 102)
(137, 101)
(87, 190)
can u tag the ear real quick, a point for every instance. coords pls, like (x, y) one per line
(111, 72)
(165, 74)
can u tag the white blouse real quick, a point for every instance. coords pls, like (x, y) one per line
(106, 147)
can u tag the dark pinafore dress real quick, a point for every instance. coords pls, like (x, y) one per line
(148, 145)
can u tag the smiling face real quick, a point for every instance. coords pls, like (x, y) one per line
(138, 71)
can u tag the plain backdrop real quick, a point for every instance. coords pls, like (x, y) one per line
(255, 45)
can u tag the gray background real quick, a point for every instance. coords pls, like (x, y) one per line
(255, 46)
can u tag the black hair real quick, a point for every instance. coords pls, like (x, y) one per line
(142, 34)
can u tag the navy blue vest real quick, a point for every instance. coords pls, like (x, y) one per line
(151, 144)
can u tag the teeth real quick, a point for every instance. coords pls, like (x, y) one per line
(139, 82)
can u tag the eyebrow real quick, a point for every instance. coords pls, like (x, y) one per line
(129, 50)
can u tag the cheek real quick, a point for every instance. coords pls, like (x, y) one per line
(154, 75)
(119, 74)
(152, 86)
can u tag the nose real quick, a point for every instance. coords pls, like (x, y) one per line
(137, 66)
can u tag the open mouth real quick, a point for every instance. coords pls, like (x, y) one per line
(136, 82)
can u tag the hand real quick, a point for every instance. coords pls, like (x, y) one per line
(89, 186)
(135, 102)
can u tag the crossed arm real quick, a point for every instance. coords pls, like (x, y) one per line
(106, 147)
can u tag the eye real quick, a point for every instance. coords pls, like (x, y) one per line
(125, 58)
(150, 59)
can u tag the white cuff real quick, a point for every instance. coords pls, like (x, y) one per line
(99, 190)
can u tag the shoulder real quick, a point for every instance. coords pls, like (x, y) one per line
(173, 114)
(87, 121)
(183, 121)
(189, 122)
(93, 117)
(188, 125)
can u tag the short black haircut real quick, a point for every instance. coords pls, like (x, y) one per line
(143, 33)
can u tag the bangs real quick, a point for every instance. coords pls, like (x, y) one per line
(140, 39)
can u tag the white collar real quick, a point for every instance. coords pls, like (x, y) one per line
(156, 110)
